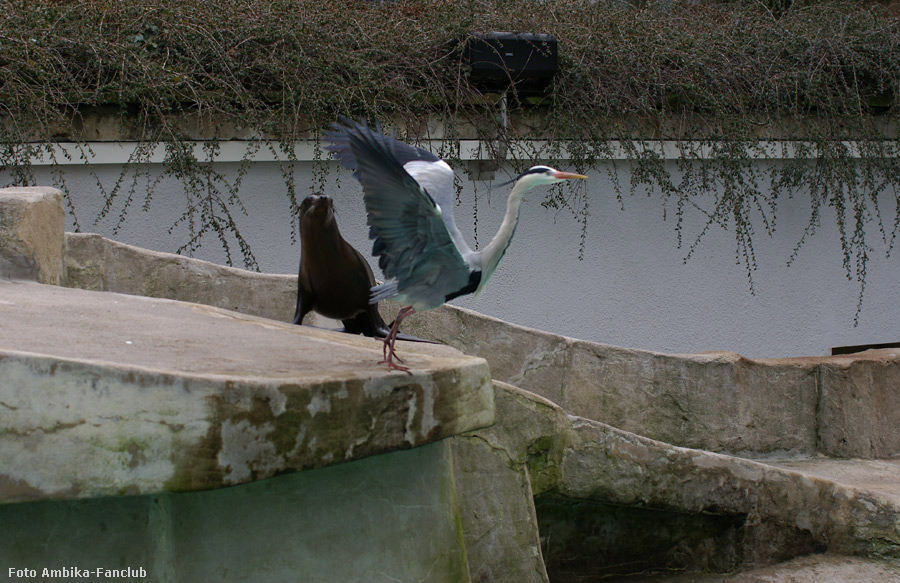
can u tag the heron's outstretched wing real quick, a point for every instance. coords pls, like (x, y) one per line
(402, 153)
(431, 173)
(412, 241)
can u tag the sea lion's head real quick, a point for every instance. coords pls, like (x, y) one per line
(316, 210)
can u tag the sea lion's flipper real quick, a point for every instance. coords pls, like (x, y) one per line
(363, 324)
(305, 303)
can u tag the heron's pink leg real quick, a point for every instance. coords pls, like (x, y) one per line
(389, 353)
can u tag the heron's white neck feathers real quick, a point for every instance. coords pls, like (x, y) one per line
(494, 251)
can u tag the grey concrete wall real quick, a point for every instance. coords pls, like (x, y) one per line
(632, 288)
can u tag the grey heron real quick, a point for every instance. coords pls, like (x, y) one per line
(409, 196)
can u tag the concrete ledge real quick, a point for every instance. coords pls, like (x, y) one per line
(108, 394)
(845, 406)
(32, 234)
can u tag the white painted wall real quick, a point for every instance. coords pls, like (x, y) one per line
(631, 289)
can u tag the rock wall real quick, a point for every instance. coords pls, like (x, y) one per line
(668, 507)
(96, 263)
(846, 406)
(32, 235)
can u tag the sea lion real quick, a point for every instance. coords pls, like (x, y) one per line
(334, 278)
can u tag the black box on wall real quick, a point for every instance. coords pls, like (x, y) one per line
(499, 60)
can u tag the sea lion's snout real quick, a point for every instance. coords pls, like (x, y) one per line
(318, 208)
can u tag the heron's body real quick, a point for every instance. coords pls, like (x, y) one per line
(409, 197)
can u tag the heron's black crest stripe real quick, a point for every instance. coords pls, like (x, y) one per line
(474, 280)
(535, 170)
(532, 170)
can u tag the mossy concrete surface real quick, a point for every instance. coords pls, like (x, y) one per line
(123, 418)
(106, 394)
(390, 517)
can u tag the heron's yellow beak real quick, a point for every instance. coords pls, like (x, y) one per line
(568, 175)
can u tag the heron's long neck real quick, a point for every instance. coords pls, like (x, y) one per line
(494, 251)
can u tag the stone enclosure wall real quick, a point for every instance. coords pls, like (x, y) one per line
(845, 406)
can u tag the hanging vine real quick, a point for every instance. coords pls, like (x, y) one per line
(808, 85)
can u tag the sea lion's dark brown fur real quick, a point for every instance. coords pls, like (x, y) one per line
(334, 278)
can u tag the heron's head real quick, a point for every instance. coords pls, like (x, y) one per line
(539, 175)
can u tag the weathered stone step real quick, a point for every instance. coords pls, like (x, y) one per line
(880, 476)
(104, 394)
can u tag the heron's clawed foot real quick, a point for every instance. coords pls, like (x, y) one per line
(390, 355)
(389, 360)
(389, 348)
